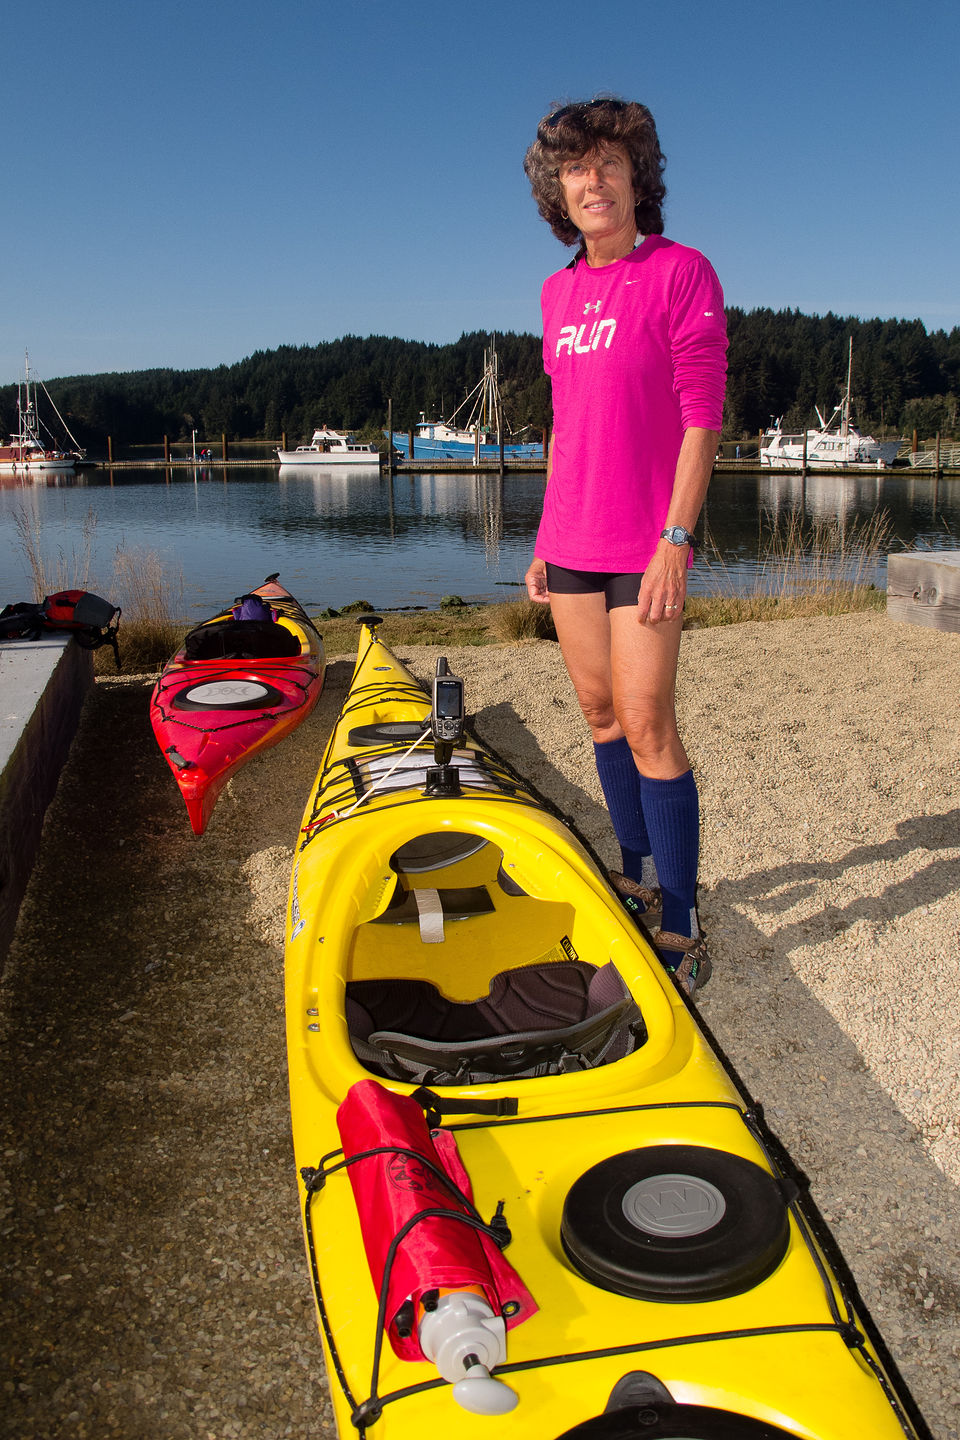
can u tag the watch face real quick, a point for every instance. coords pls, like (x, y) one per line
(676, 535)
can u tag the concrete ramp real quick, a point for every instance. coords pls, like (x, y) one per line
(43, 685)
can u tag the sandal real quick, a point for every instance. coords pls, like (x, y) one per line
(685, 958)
(645, 896)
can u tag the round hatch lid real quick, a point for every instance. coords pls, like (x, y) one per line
(675, 1223)
(388, 732)
(228, 695)
(660, 1420)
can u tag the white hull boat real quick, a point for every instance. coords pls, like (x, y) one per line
(836, 445)
(29, 451)
(331, 447)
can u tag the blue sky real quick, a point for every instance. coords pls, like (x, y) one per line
(189, 183)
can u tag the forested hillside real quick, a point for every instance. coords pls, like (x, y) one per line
(781, 363)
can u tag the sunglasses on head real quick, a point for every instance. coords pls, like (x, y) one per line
(580, 108)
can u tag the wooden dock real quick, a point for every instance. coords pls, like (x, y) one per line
(510, 465)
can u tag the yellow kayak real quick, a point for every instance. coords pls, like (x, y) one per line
(458, 966)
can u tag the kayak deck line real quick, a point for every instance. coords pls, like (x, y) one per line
(462, 954)
(844, 1325)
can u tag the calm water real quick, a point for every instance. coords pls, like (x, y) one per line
(336, 538)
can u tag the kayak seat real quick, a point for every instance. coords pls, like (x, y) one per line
(241, 640)
(535, 1020)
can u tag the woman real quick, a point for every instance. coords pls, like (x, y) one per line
(634, 341)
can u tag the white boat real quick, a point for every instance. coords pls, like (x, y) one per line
(478, 437)
(29, 448)
(837, 445)
(330, 447)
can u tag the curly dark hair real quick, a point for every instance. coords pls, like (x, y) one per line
(578, 129)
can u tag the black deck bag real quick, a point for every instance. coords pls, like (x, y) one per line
(21, 621)
(92, 620)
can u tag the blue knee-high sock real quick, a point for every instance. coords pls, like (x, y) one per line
(671, 809)
(620, 782)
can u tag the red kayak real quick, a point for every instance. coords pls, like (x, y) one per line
(242, 681)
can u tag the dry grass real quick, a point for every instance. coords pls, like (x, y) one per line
(63, 571)
(822, 569)
(149, 598)
(450, 625)
(522, 620)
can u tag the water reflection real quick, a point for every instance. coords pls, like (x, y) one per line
(338, 534)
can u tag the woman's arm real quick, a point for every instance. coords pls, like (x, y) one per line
(536, 577)
(664, 586)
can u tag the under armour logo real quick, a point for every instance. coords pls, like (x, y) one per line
(595, 308)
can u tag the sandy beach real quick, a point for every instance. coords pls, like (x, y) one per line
(154, 1281)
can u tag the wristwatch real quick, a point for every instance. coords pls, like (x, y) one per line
(676, 535)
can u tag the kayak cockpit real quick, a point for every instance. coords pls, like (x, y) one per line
(459, 976)
(231, 639)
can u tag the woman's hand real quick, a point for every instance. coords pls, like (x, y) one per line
(664, 586)
(536, 582)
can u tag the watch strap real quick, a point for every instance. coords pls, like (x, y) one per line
(678, 535)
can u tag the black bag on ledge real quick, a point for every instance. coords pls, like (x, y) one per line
(92, 620)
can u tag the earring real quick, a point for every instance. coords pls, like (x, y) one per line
(564, 215)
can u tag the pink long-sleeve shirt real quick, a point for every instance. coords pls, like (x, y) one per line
(636, 352)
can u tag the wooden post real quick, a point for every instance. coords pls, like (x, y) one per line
(915, 446)
(166, 448)
(923, 586)
(223, 445)
(390, 448)
(109, 449)
(283, 439)
(500, 442)
(409, 444)
(545, 442)
(938, 454)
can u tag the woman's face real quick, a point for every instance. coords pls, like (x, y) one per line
(598, 195)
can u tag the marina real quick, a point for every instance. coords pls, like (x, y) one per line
(410, 539)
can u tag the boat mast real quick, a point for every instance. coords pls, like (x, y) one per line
(28, 424)
(491, 391)
(845, 416)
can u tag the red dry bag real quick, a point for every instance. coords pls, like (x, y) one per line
(392, 1188)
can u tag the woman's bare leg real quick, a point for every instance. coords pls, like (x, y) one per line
(624, 674)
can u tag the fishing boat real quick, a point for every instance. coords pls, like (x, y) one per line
(241, 681)
(836, 445)
(479, 432)
(32, 446)
(531, 1187)
(330, 447)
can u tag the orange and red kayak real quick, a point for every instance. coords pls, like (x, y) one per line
(236, 686)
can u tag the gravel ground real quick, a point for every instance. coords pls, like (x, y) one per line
(154, 1283)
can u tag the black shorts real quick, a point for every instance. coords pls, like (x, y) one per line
(618, 589)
